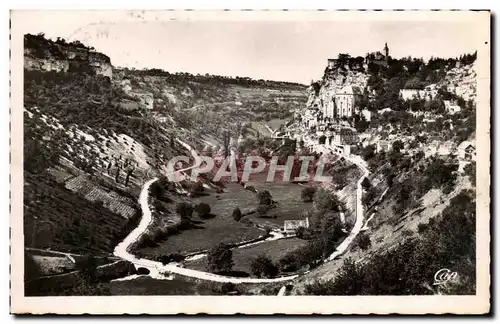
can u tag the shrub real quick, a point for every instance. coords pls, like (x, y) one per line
(184, 209)
(142, 271)
(264, 266)
(237, 214)
(203, 210)
(307, 194)
(220, 259)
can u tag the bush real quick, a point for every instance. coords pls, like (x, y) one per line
(203, 210)
(184, 209)
(142, 271)
(263, 266)
(237, 214)
(307, 194)
(220, 259)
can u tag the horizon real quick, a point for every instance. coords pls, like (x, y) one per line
(290, 51)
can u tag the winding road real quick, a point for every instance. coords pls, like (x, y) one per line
(160, 271)
(358, 225)
(156, 269)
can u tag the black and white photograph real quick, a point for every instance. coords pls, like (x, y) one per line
(286, 154)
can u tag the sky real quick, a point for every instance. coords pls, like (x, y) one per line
(291, 48)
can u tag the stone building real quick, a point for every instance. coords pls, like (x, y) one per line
(345, 101)
(378, 58)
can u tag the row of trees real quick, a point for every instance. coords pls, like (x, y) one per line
(184, 77)
(220, 260)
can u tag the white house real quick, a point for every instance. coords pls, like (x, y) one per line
(290, 226)
(366, 114)
(467, 151)
(451, 107)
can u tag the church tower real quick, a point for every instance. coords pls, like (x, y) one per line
(386, 52)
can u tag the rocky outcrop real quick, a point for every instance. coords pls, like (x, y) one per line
(46, 55)
(333, 81)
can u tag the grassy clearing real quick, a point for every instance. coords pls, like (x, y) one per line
(243, 257)
(207, 233)
(287, 195)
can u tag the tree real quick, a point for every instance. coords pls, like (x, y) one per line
(363, 241)
(348, 282)
(307, 194)
(263, 266)
(368, 152)
(265, 198)
(262, 209)
(237, 214)
(397, 146)
(197, 188)
(324, 200)
(366, 184)
(220, 259)
(184, 209)
(203, 210)
(470, 171)
(129, 174)
(87, 266)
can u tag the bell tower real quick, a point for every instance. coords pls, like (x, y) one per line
(386, 52)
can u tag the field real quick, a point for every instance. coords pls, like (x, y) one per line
(287, 195)
(222, 228)
(243, 257)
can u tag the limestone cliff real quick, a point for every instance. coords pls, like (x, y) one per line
(46, 55)
(321, 93)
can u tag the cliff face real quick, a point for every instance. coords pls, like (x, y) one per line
(46, 55)
(333, 81)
